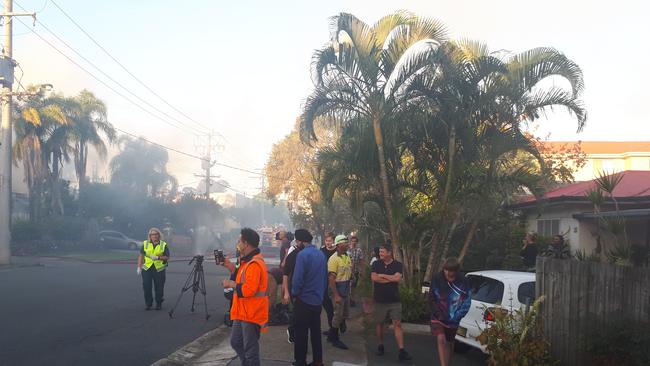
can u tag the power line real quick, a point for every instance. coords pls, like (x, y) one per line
(104, 83)
(201, 158)
(107, 76)
(127, 70)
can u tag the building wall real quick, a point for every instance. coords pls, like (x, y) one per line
(567, 224)
(582, 235)
(611, 163)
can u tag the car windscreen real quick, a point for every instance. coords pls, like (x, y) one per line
(526, 293)
(486, 289)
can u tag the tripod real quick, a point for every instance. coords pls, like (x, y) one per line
(196, 282)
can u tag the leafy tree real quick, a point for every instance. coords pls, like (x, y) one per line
(142, 167)
(41, 143)
(90, 128)
(359, 75)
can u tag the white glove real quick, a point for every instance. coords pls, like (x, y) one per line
(139, 271)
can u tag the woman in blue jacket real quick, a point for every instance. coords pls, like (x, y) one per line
(449, 300)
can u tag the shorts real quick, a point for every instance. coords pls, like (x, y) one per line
(437, 328)
(383, 311)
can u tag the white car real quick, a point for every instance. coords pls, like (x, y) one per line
(493, 289)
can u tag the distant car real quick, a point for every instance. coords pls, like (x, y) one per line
(493, 291)
(269, 251)
(116, 240)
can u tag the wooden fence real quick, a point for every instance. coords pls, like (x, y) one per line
(581, 297)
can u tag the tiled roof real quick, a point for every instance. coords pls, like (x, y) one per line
(600, 147)
(634, 183)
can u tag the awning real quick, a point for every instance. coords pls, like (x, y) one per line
(633, 213)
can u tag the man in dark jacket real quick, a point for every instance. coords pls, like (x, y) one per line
(450, 300)
(307, 290)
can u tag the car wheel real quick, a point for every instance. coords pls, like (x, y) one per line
(461, 348)
(133, 246)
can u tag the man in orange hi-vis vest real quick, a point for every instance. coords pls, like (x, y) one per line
(250, 304)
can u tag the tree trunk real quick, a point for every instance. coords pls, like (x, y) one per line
(447, 242)
(450, 166)
(80, 164)
(432, 256)
(379, 140)
(56, 203)
(468, 239)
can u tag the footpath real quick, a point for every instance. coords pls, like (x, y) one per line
(213, 348)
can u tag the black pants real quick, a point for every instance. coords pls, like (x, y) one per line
(158, 279)
(307, 323)
(329, 308)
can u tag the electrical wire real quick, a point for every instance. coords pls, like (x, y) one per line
(107, 85)
(109, 54)
(106, 75)
(201, 158)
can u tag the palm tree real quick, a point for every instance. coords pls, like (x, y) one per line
(91, 128)
(40, 138)
(359, 76)
(471, 97)
(142, 168)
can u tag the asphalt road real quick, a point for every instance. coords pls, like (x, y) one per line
(67, 312)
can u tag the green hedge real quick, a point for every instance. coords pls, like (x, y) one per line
(55, 227)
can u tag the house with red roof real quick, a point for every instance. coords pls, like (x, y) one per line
(602, 156)
(568, 211)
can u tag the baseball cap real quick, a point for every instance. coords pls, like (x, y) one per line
(340, 239)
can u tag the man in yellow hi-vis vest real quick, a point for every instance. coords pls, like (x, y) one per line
(153, 258)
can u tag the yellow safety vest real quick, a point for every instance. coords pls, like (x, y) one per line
(151, 250)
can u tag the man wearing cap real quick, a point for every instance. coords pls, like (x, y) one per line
(308, 287)
(339, 267)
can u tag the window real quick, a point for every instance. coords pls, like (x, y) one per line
(526, 293)
(548, 227)
(486, 289)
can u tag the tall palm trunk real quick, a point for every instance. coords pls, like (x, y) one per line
(434, 246)
(80, 164)
(445, 198)
(468, 239)
(448, 237)
(56, 203)
(388, 202)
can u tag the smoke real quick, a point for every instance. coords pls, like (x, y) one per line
(209, 236)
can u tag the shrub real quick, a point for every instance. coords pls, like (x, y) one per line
(414, 305)
(516, 338)
(25, 230)
(620, 342)
(64, 227)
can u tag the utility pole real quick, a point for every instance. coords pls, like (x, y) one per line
(261, 194)
(207, 162)
(7, 65)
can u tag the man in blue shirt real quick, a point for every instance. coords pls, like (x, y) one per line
(307, 289)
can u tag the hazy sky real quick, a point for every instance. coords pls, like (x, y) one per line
(242, 67)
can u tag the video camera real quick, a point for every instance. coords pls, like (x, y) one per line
(198, 258)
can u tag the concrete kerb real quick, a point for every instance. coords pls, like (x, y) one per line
(192, 351)
(413, 328)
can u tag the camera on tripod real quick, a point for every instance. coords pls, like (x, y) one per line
(196, 283)
(198, 258)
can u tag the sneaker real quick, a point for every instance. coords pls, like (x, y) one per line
(327, 334)
(290, 336)
(380, 350)
(343, 327)
(158, 306)
(338, 344)
(404, 356)
(148, 308)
